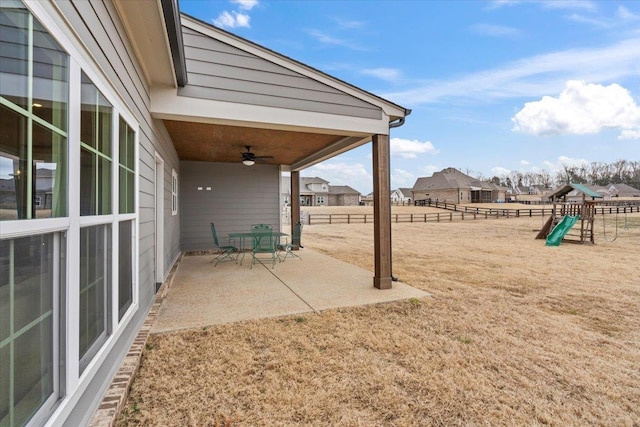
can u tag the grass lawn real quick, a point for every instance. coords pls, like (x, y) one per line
(515, 333)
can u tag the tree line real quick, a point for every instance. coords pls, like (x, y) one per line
(595, 173)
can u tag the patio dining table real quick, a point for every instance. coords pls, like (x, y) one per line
(241, 236)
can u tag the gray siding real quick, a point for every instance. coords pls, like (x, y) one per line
(221, 72)
(97, 24)
(239, 196)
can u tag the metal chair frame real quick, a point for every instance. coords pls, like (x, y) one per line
(226, 251)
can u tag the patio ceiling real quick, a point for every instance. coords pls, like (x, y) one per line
(224, 143)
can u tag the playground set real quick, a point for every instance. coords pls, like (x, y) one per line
(566, 214)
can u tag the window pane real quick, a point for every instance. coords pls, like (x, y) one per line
(48, 174)
(50, 78)
(14, 45)
(95, 172)
(95, 118)
(13, 163)
(26, 326)
(127, 141)
(95, 262)
(125, 267)
(33, 370)
(127, 186)
(88, 179)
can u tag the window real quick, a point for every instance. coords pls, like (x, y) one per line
(98, 220)
(34, 82)
(174, 192)
(29, 279)
(320, 200)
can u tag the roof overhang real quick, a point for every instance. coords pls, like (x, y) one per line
(218, 130)
(145, 24)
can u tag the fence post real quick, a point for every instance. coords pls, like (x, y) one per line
(438, 217)
(462, 218)
(411, 217)
(450, 216)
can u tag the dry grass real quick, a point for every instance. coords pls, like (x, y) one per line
(516, 333)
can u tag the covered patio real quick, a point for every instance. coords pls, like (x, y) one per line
(201, 294)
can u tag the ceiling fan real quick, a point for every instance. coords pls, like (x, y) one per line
(249, 158)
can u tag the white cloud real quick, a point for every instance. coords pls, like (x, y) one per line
(245, 4)
(232, 20)
(530, 77)
(549, 4)
(354, 175)
(570, 5)
(525, 162)
(349, 24)
(402, 178)
(630, 134)
(389, 74)
(428, 170)
(500, 171)
(626, 15)
(325, 38)
(572, 161)
(580, 109)
(495, 30)
(409, 149)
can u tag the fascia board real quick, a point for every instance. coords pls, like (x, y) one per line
(389, 108)
(167, 105)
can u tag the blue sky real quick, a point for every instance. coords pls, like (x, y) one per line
(495, 86)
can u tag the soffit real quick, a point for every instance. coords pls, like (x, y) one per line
(145, 27)
(222, 143)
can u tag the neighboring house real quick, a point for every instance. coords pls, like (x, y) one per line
(314, 191)
(144, 114)
(402, 196)
(42, 196)
(367, 200)
(343, 195)
(623, 190)
(452, 186)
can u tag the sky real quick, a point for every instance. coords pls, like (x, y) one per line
(494, 86)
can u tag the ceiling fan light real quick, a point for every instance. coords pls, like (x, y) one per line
(248, 162)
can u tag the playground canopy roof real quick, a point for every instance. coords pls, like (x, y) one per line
(568, 188)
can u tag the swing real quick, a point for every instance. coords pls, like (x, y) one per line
(604, 228)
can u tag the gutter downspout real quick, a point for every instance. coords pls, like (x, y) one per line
(396, 124)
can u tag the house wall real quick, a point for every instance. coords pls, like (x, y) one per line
(449, 196)
(100, 30)
(343, 200)
(218, 71)
(239, 196)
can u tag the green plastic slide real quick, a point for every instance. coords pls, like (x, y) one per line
(555, 237)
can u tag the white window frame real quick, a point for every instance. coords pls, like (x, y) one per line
(71, 383)
(174, 192)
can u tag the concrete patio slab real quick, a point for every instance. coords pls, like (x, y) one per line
(202, 294)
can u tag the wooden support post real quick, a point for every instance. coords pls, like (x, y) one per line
(295, 200)
(381, 212)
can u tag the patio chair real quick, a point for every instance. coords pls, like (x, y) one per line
(264, 243)
(226, 251)
(289, 247)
